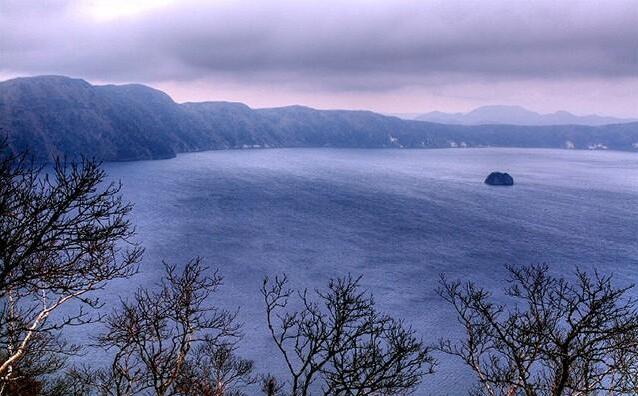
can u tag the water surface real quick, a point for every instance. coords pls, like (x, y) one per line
(398, 217)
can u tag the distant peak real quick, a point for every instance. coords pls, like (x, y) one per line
(133, 88)
(501, 109)
(213, 105)
(217, 103)
(50, 79)
(517, 115)
(291, 108)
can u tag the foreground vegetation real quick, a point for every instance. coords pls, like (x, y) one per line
(64, 234)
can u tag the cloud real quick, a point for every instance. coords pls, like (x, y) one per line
(329, 45)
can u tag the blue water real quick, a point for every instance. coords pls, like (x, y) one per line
(398, 217)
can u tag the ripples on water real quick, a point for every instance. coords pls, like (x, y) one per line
(399, 217)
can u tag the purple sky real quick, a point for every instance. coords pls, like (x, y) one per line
(389, 56)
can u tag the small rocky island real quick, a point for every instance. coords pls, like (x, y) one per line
(499, 179)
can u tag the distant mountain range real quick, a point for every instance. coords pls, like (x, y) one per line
(60, 116)
(516, 115)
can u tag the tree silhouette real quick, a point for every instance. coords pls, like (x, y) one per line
(558, 337)
(64, 233)
(339, 341)
(167, 338)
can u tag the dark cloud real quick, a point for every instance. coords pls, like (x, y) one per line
(334, 45)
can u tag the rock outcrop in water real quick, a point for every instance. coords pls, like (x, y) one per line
(499, 179)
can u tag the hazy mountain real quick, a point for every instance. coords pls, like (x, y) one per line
(516, 115)
(405, 116)
(55, 116)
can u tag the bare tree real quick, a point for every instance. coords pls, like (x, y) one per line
(558, 337)
(341, 342)
(270, 386)
(37, 363)
(215, 370)
(64, 233)
(152, 336)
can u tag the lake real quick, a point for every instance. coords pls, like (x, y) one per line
(397, 217)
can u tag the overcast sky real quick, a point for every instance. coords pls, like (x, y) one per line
(389, 56)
